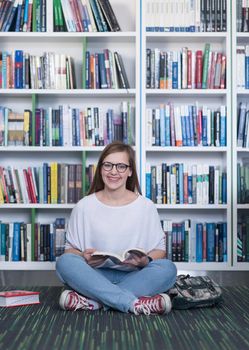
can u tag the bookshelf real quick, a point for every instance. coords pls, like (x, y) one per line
(239, 154)
(218, 156)
(132, 43)
(127, 43)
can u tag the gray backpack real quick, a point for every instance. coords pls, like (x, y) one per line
(192, 292)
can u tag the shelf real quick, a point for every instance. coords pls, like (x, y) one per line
(70, 92)
(118, 37)
(192, 206)
(204, 266)
(186, 149)
(51, 149)
(187, 92)
(24, 265)
(37, 206)
(242, 91)
(243, 206)
(39, 265)
(242, 150)
(193, 37)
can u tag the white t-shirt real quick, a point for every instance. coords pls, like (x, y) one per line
(94, 224)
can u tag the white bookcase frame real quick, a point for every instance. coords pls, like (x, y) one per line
(133, 26)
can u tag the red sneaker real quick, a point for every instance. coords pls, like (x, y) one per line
(159, 304)
(72, 301)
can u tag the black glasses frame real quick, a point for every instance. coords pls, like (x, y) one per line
(117, 165)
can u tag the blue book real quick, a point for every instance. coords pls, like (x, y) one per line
(102, 71)
(77, 125)
(11, 16)
(204, 127)
(223, 127)
(175, 72)
(88, 73)
(51, 243)
(187, 123)
(199, 239)
(18, 69)
(110, 125)
(16, 250)
(61, 141)
(148, 182)
(183, 125)
(3, 240)
(247, 67)
(97, 82)
(181, 189)
(26, 15)
(96, 15)
(211, 228)
(18, 18)
(191, 125)
(190, 189)
(224, 224)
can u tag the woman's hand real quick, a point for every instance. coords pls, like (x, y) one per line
(93, 261)
(136, 260)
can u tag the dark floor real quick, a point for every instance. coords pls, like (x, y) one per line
(45, 326)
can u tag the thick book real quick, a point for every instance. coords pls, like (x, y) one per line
(18, 298)
(117, 261)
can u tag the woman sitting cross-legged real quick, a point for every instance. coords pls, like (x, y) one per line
(115, 217)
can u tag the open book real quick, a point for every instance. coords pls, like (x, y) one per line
(116, 261)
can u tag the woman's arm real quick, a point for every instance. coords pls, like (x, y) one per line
(157, 254)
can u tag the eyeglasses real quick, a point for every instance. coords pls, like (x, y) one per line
(120, 167)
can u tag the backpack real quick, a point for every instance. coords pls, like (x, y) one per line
(192, 292)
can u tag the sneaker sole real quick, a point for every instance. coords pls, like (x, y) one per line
(168, 304)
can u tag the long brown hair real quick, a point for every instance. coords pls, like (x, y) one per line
(132, 182)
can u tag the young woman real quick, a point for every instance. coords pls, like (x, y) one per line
(113, 217)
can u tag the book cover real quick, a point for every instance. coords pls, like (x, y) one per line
(18, 298)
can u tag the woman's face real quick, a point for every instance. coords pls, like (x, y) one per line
(116, 177)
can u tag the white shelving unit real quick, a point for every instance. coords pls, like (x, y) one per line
(191, 155)
(132, 43)
(127, 43)
(239, 153)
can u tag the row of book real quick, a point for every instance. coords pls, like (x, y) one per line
(190, 241)
(21, 70)
(185, 69)
(84, 16)
(19, 243)
(67, 126)
(105, 71)
(186, 125)
(243, 125)
(243, 239)
(242, 21)
(23, 15)
(186, 16)
(243, 182)
(181, 183)
(242, 66)
(54, 183)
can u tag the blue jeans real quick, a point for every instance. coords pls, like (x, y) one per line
(112, 288)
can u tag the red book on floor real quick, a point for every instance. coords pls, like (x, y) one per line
(18, 298)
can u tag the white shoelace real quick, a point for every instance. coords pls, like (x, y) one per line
(79, 302)
(147, 306)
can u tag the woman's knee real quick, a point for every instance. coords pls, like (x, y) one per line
(65, 261)
(168, 267)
